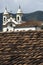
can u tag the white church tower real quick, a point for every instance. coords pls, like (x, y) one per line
(5, 16)
(19, 15)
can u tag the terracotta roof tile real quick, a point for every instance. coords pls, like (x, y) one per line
(30, 23)
(21, 48)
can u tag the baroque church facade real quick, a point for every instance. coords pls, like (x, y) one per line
(11, 24)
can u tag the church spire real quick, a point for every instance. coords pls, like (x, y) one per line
(19, 10)
(6, 12)
(19, 15)
(19, 7)
(6, 8)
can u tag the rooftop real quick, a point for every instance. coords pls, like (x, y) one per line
(30, 23)
(21, 48)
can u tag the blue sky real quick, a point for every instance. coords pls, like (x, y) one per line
(27, 6)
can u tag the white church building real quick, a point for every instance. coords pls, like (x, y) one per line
(11, 24)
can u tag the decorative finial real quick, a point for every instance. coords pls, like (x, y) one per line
(19, 7)
(6, 12)
(5, 8)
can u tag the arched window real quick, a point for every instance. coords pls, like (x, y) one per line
(7, 29)
(4, 19)
(18, 18)
(11, 25)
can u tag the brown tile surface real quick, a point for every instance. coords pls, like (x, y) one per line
(30, 23)
(21, 48)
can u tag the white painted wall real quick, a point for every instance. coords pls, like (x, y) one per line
(18, 29)
(25, 29)
(4, 29)
(9, 29)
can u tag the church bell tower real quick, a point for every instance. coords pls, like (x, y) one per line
(19, 15)
(5, 16)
